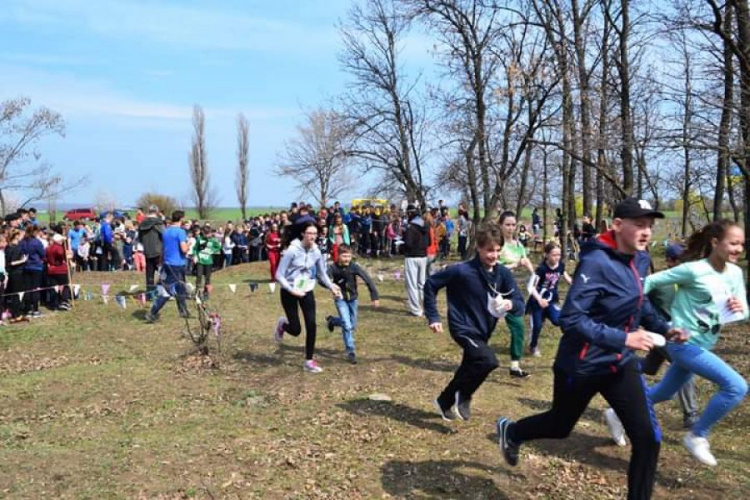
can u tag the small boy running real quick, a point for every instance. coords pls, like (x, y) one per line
(344, 273)
(480, 292)
(544, 299)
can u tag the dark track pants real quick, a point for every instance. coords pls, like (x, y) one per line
(477, 363)
(625, 391)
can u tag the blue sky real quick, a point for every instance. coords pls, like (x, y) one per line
(126, 73)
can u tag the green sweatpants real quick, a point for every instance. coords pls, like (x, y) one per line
(515, 325)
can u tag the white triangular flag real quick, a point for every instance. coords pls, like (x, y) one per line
(76, 290)
(233, 287)
(20, 296)
(380, 276)
(105, 299)
(272, 286)
(132, 288)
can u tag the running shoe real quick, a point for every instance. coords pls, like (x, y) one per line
(463, 407)
(699, 448)
(616, 430)
(352, 358)
(312, 366)
(508, 448)
(519, 373)
(329, 323)
(448, 414)
(278, 332)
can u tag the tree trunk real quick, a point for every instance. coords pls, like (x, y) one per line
(626, 153)
(725, 124)
(585, 105)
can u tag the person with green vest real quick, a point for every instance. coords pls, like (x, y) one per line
(206, 246)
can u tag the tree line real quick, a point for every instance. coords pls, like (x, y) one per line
(569, 103)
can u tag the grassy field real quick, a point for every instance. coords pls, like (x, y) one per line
(95, 403)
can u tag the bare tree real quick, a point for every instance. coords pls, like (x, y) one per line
(241, 176)
(317, 158)
(387, 121)
(203, 196)
(21, 171)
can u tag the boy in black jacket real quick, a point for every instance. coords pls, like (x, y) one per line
(344, 273)
(480, 291)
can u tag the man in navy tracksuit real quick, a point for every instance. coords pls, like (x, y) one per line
(601, 321)
(480, 291)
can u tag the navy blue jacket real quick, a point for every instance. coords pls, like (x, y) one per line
(604, 302)
(34, 250)
(468, 287)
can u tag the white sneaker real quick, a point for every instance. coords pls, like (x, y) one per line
(278, 332)
(699, 448)
(615, 427)
(312, 366)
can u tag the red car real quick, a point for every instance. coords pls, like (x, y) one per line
(79, 214)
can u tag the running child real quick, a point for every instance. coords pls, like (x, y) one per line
(300, 265)
(602, 320)
(514, 255)
(344, 273)
(710, 293)
(544, 299)
(480, 292)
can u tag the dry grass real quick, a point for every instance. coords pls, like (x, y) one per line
(97, 404)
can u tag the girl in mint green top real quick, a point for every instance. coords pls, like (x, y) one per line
(702, 293)
(710, 293)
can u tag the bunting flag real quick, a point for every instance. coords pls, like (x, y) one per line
(198, 299)
(20, 296)
(397, 275)
(120, 299)
(190, 287)
(272, 286)
(152, 294)
(380, 276)
(132, 288)
(233, 287)
(6, 315)
(162, 291)
(89, 296)
(142, 299)
(253, 287)
(105, 299)
(105, 288)
(76, 291)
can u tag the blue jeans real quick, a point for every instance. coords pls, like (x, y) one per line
(173, 281)
(689, 359)
(347, 320)
(537, 314)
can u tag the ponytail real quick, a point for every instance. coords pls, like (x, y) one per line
(699, 244)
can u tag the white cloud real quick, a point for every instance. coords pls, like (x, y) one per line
(73, 96)
(195, 26)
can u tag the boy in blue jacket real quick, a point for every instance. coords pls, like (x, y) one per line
(601, 323)
(480, 292)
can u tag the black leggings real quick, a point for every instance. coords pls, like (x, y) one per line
(13, 301)
(625, 391)
(293, 327)
(32, 281)
(201, 271)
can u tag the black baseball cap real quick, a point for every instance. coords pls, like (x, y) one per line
(632, 208)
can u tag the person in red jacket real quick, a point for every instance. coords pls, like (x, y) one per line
(273, 249)
(57, 273)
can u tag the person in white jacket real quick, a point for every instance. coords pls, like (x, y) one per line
(301, 265)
